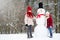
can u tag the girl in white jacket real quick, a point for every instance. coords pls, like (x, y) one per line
(29, 21)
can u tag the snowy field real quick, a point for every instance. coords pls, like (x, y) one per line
(23, 36)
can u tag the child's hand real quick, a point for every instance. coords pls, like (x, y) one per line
(26, 24)
(50, 26)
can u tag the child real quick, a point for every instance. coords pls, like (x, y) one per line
(50, 24)
(29, 21)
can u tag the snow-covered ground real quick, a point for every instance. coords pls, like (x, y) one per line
(23, 36)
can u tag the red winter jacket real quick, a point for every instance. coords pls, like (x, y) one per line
(49, 21)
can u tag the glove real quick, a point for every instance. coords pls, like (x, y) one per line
(26, 25)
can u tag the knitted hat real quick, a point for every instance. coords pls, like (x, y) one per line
(29, 9)
(29, 12)
(47, 12)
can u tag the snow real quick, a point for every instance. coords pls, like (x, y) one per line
(23, 36)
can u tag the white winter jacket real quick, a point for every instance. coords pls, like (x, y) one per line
(28, 20)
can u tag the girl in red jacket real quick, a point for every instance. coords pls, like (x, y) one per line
(50, 25)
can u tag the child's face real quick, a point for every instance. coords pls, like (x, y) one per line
(47, 15)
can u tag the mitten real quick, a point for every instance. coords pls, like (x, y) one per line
(26, 24)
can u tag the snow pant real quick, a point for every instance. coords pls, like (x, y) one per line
(50, 31)
(29, 31)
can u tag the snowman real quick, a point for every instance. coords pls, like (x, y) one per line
(40, 29)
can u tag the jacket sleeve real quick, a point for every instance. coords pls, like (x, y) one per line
(51, 22)
(25, 19)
